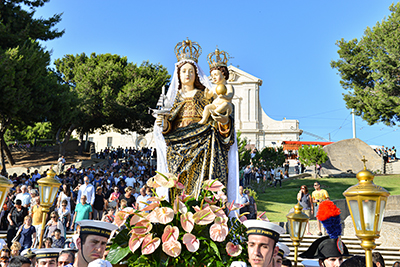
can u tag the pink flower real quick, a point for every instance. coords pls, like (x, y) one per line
(152, 216)
(166, 180)
(191, 242)
(204, 216)
(150, 244)
(218, 232)
(187, 222)
(211, 201)
(172, 248)
(164, 215)
(142, 227)
(136, 218)
(219, 211)
(213, 185)
(120, 218)
(179, 206)
(151, 206)
(129, 210)
(233, 250)
(152, 183)
(221, 195)
(135, 241)
(234, 206)
(170, 233)
(179, 185)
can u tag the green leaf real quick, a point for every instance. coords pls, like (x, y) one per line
(215, 248)
(118, 254)
(122, 239)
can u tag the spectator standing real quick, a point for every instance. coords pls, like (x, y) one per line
(53, 224)
(83, 210)
(61, 164)
(24, 196)
(114, 197)
(64, 214)
(252, 206)
(130, 200)
(15, 219)
(378, 259)
(109, 216)
(28, 233)
(141, 200)
(243, 200)
(37, 216)
(305, 201)
(130, 180)
(318, 196)
(87, 190)
(99, 205)
(66, 195)
(278, 178)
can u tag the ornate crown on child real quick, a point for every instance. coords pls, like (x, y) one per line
(187, 50)
(221, 58)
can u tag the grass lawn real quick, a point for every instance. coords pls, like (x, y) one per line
(277, 202)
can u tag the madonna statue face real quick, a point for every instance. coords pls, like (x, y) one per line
(187, 74)
(197, 84)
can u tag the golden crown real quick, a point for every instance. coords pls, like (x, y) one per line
(221, 58)
(187, 50)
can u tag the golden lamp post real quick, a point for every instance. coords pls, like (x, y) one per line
(5, 186)
(48, 188)
(367, 203)
(297, 222)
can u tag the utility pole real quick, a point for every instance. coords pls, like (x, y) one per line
(354, 123)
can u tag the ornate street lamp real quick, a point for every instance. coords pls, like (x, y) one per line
(297, 222)
(367, 203)
(48, 188)
(5, 186)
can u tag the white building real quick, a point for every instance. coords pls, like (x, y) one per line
(250, 119)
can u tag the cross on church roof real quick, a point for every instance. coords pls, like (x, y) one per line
(364, 160)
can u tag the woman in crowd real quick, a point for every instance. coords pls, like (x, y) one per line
(128, 197)
(99, 204)
(109, 216)
(114, 197)
(54, 224)
(305, 201)
(48, 242)
(64, 214)
(28, 233)
(65, 195)
(15, 219)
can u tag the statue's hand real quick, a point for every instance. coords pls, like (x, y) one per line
(162, 121)
(208, 93)
(221, 118)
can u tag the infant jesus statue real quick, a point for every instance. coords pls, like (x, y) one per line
(222, 104)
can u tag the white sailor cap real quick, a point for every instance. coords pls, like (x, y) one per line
(45, 253)
(283, 250)
(99, 263)
(268, 229)
(91, 227)
(310, 263)
(29, 253)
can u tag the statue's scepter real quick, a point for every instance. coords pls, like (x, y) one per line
(161, 108)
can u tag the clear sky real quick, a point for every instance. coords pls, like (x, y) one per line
(287, 44)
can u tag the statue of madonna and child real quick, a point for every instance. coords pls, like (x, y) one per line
(195, 133)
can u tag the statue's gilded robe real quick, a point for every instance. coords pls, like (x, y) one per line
(197, 152)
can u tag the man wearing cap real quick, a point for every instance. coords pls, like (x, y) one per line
(282, 253)
(328, 251)
(92, 241)
(47, 257)
(262, 239)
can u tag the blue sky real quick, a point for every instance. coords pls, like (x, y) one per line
(287, 44)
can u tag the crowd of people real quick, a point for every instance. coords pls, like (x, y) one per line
(94, 193)
(387, 154)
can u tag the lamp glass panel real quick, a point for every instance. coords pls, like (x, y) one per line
(369, 209)
(303, 229)
(290, 227)
(356, 214)
(45, 194)
(53, 194)
(381, 211)
(296, 228)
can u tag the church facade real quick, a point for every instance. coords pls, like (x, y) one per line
(250, 119)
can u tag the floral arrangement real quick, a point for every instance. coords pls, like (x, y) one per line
(183, 232)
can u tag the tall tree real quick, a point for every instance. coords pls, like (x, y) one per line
(111, 92)
(25, 82)
(269, 158)
(312, 155)
(370, 70)
(244, 152)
